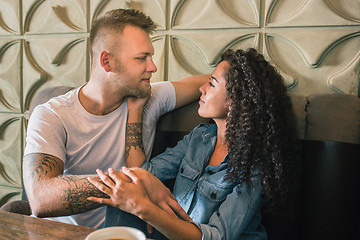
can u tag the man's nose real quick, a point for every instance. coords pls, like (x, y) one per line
(151, 67)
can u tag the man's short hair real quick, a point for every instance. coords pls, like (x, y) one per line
(115, 20)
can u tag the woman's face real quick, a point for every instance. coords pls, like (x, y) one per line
(213, 98)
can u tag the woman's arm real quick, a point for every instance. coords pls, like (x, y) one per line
(171, 226)
(140, 197)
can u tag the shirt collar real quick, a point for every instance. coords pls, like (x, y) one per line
(210, 131)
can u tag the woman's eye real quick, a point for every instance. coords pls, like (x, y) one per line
(141, 58)
(212, 85)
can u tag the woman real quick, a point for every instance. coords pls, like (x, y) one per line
(227, 171)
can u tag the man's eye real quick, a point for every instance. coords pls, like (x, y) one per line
(212, 85)
(141, 58)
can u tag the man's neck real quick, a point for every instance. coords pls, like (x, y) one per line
(99, 100)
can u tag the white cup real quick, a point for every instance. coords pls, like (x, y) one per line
(117, 233)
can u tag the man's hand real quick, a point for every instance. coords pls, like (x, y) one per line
(135, 103)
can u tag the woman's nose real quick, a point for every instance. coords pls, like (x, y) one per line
(202, 88)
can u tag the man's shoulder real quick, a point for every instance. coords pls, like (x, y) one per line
(163, 92)
(162, 86)
(57, 102)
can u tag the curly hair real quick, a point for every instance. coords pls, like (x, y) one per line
(260, 125)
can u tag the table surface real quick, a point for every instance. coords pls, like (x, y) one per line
(16, 226)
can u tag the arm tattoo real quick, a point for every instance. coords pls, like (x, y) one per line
(133, 137)
(40, 166)
(76, 188)
(75, 196)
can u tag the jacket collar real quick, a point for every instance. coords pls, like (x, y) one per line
(210, 130)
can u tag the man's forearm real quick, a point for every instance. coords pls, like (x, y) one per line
(51, 193)
(134, 148)
(74, 197)
(187, 89)
(62, 196)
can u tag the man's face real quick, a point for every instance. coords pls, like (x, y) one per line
(133, 62)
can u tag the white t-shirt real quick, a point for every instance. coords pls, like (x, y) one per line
(84, 142)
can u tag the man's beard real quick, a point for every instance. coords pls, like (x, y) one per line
(140, 92)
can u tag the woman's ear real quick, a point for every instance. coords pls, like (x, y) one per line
(227, 104)
(105, 61)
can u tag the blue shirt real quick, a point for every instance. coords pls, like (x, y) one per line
(212, 202)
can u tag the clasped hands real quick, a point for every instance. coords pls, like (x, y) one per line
(132, 190)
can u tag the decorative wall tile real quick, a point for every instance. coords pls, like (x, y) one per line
(312, 13)
(314, 46)
(48, 64)
(9, 17)
(209, 14)
(190, 52)
(10, 75)
(313, 57)
(10, 149)
(41, 16)
(347, 9)
(9, 194)
(342, 79)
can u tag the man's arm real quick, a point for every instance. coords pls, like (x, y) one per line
(51, 193)
(187, 89)
(133, 138)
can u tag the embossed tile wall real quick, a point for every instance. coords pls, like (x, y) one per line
(314, 43)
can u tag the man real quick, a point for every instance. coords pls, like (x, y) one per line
(71, 136)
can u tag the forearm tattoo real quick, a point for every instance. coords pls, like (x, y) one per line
(76, 189)
(133, 137)
(75, 196)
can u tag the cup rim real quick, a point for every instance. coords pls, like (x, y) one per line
(111, 232)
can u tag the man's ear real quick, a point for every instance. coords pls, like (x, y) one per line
(105, 61)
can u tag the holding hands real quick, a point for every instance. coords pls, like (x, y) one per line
(135, 191)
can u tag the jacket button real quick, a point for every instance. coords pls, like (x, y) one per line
(182, 170)
(210, 172)
(213, 195)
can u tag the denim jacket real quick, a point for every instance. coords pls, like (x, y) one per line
(213, 203)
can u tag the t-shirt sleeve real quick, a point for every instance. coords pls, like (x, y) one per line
(45, 134)
(162, 100)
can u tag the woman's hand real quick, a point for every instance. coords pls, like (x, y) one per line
(132, 188)
(125, 192)
(159, 193)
